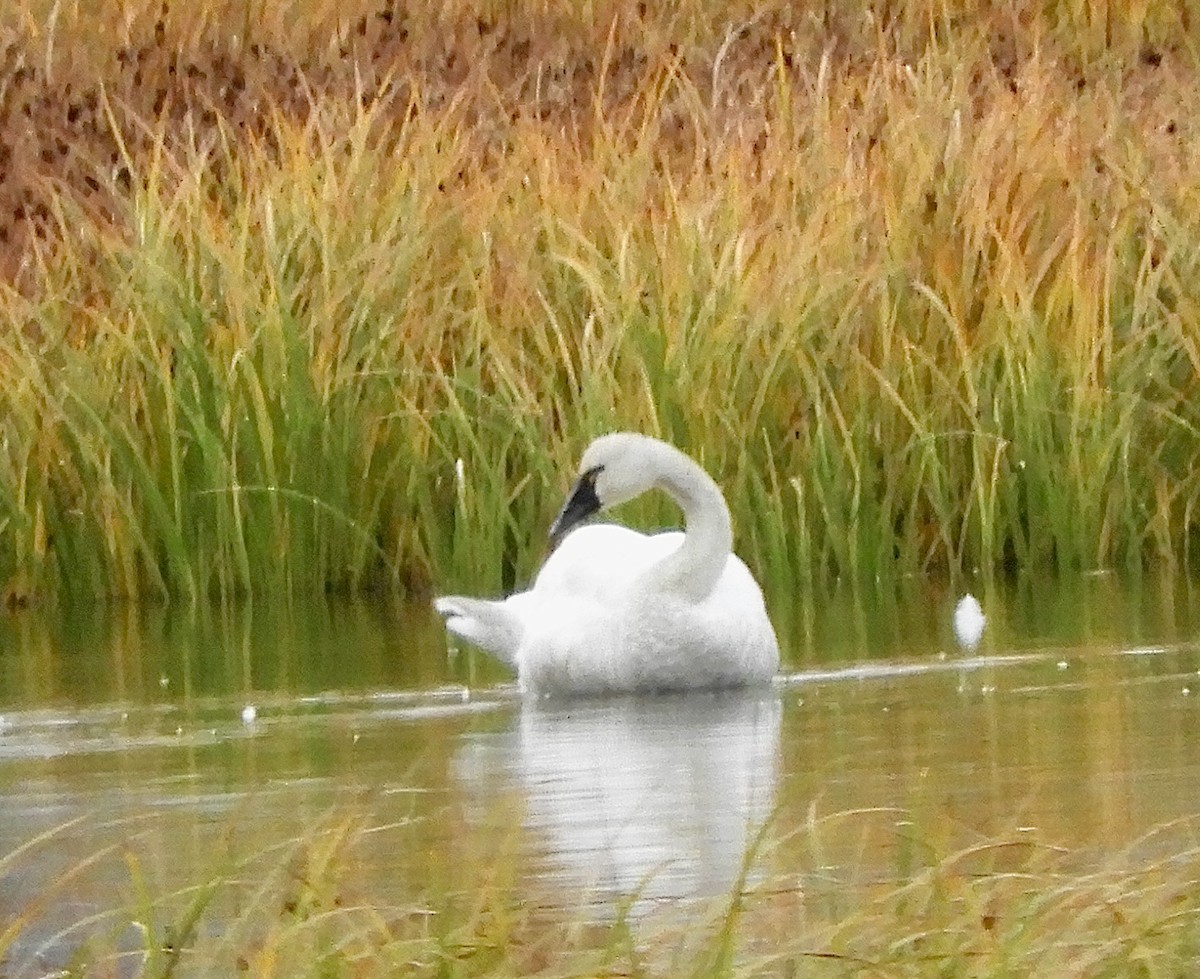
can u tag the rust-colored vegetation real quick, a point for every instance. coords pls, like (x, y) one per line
(917, 280)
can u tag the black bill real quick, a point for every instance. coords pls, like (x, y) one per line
(581, 504)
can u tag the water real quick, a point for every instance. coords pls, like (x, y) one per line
(167, 747)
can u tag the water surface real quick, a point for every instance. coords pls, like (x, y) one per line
(171, 746)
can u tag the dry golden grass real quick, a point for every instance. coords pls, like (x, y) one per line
(916, 280)
(1009, 906)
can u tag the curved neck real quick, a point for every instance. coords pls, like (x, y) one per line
(696, 566)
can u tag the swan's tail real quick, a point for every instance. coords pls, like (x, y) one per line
(491, 626)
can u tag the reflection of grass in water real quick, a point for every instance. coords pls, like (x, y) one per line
(919, 288)
(1006, 907)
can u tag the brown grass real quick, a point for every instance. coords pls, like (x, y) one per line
(916, 280)
(1008, 906)
(86, 85)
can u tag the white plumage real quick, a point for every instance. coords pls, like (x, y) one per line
(969, 622)
(616, 610)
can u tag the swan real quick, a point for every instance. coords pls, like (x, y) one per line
(614, 610)
(969, 622)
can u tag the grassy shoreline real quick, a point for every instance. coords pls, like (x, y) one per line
(1003, 906)
(918, 288)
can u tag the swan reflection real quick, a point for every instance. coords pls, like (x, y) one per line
(649, 798)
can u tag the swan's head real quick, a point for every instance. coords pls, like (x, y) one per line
(615, 468)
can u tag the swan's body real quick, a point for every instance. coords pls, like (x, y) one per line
(969, 622)
(616, 610)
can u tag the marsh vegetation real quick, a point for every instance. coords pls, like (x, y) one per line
(328, 297)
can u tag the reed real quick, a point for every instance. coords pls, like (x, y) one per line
(1011, 905)
(332, 300)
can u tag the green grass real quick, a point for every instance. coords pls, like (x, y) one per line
(918, 287)
(1009, 906)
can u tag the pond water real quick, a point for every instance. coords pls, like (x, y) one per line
(155, 748)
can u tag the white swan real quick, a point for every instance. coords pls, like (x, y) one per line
(969, 622)
(616, 610)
